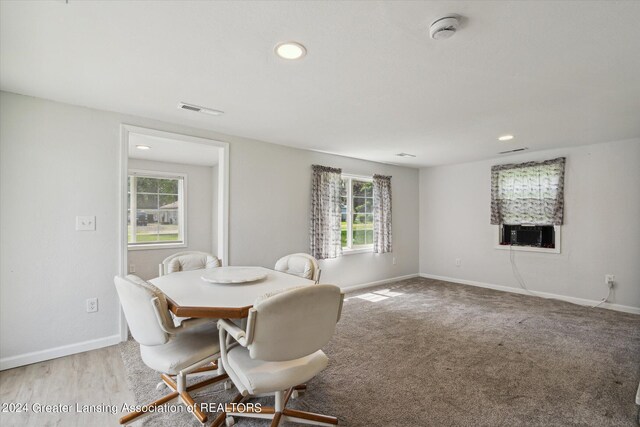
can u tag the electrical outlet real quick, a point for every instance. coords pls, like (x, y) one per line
(92, 305)
(609, 280)
(458, 262)
(394, 261)
(132, 268)
(85, 223)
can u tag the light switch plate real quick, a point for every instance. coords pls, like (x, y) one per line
(85, 223)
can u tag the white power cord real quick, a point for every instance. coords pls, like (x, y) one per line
(603, 299)
(520, 280)
(516, 272)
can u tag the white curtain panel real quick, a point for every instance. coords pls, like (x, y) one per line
(528, 193)
(324, 230)
(382, 237)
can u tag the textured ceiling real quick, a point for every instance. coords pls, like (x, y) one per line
(373, 83)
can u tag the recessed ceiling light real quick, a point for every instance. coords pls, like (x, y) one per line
(143, 147)
(290, 50)
(405, 155)
(505, 138)
(198, 109)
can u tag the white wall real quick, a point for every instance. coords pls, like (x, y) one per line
(272, 185)
(601, 233)
(58, 161)
(201, 234)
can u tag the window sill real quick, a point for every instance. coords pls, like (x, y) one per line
(357, 251)
(528, 249)
(157, 246)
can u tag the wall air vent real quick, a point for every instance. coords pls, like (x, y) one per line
(514, 151)
(189, 107)
(197, 109)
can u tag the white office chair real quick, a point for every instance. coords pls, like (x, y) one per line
(188, 260)
(301, 264)
(280, 350)
(173, 351)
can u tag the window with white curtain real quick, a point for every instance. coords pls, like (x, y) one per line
(349, 213)
(527, 203)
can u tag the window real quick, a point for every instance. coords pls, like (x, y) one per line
(527, 204)
(155, 209)
(356, 203)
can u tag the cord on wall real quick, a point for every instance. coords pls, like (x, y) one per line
(603, 299)
(522, 284)
(516, 272)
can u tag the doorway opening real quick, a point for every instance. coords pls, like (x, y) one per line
(173, 197)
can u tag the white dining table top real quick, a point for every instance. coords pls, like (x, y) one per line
(191, 296)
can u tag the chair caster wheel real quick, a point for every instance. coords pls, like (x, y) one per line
(228, 385)
(160, 385)
(229, 421)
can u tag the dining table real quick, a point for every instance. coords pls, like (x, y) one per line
(222, 292)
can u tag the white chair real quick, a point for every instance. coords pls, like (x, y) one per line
(173, 351)
(301, 264)
(188, 260)
(279, 350)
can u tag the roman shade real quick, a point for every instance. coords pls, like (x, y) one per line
(528, 193)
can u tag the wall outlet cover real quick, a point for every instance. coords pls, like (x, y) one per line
(92, 305)
(85, 223)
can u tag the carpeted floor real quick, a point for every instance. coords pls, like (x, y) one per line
(431, 353)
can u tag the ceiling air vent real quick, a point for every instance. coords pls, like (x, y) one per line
(405, 155)
(514, 151)
(197, 109)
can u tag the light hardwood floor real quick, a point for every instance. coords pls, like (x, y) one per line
(93, 378)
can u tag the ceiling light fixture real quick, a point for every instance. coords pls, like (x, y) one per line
(290, 50)
(143, 147)
(198, 109)
(505, 138)
(405, 155)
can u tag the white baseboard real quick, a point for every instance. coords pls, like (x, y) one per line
(376, 283)
(53, 353)
(580, 301)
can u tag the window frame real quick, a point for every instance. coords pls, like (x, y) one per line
(182, 210)
(350, 249)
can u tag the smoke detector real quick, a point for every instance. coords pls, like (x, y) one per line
(444, 27)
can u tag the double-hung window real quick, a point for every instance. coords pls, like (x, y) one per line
(356, 203)
(156, 209)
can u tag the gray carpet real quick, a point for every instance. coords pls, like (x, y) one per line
(442, 354)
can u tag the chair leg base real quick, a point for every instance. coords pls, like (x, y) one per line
(277, 414)
(184, 396)
(220, 419)
(298, 390)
